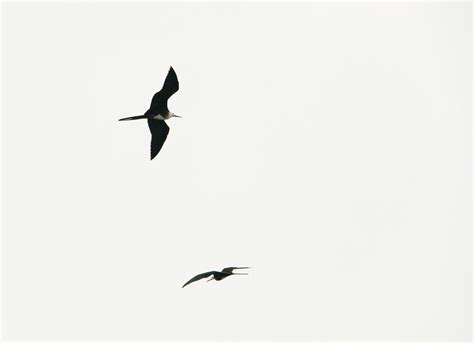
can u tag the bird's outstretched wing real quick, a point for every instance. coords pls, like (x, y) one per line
(159, 131)
(171, 86)
(199, 277)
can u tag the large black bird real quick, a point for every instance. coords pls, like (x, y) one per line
(158, 113)
(218, 276)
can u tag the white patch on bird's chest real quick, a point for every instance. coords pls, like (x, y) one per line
(159, 116)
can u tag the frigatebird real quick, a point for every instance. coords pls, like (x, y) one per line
(218, 276)
(158, 113)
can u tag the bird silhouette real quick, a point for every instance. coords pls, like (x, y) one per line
(158, 113)
(218, 276)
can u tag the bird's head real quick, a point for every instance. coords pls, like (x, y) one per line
(174, 115)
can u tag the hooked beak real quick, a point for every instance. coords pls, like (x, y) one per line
(241, 273)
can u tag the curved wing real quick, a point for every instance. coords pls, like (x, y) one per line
(159, 131)
(198, 277)
(171, 86)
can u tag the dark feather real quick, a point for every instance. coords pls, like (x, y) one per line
(199, 277)
(159, 103)
(159, 131)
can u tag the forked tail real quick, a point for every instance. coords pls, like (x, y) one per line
(133, 118)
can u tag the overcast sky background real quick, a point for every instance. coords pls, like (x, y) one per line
(327, 146)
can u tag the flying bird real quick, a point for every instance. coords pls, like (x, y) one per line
(218, 276)
(158, 113)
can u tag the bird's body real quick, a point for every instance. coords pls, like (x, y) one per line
(159, 112)
(218, 276)
(163, 116)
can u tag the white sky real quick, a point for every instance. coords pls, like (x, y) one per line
(327, 146)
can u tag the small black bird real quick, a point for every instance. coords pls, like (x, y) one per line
(218, 276)
(158, 113)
